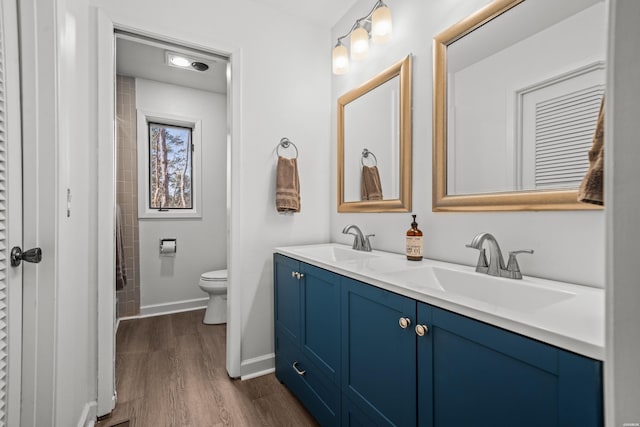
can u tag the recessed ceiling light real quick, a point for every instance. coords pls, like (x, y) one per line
(187, 62)
(179, 61)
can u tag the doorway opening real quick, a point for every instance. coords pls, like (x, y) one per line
(191, 179)
(171, 173)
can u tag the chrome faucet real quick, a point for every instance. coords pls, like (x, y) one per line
(495, 266)
(360, 241)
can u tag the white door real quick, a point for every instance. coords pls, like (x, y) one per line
(10, 217)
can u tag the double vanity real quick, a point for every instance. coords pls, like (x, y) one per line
(369, 338)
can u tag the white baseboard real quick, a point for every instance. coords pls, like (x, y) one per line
(89, 414)
(171, 307)
(258, 374)
(257, 366)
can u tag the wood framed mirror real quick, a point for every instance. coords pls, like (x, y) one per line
(517, 92)
(374, 143)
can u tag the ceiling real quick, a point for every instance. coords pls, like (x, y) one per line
(324, 12)
(146, 59)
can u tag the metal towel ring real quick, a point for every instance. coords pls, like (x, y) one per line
(365, 155)
(285, 143)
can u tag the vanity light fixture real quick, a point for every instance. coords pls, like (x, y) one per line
(381, 25)
(359, 43)
(340, 59)
(377, 24)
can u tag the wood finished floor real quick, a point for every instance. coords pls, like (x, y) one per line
(170, 371)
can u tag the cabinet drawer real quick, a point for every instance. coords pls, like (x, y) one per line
(316, 392)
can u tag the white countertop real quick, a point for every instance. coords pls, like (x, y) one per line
(562, 314)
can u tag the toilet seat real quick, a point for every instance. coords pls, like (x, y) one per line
(214, 276)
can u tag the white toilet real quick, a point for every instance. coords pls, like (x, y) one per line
(215, 284)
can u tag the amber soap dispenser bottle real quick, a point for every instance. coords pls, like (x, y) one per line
(414, 242)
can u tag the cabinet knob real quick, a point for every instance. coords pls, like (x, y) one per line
(300, 275)
(421, 330)
(404, 322)
(293, 274)
(298, 371)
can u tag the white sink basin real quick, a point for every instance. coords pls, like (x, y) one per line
(523, 295)
(330, 253)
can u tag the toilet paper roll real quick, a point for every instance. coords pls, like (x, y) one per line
(168, 247)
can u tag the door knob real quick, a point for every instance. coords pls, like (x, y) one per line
(421, 330)
(404, 322)
(32, 255)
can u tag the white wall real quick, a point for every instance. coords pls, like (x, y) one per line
(569, 245)
(202, 242)
(59, 373)
(76, 339)
(283, 85)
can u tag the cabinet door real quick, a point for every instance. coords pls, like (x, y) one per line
(379, 357)
(320, 334)
(287, 297)
(471, 373)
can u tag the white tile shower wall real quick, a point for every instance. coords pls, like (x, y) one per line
(569, 245)
(201, 242)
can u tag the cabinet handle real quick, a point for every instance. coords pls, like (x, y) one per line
(293, 274)
(298, 371)
(421, 330)
(404, 322)
(300, 275)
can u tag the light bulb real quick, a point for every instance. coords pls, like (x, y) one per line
(180, 61)
(340, 59)
(359, 43)
(381, 25)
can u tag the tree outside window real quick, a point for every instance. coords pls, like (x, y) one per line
(170, 167)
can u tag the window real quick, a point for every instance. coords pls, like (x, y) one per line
(170, 167)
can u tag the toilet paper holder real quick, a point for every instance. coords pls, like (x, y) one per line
(168, 247)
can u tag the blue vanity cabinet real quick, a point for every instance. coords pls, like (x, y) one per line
(320, 319)
(307, 339)
(471, 373)
(287, 297)
(378, 356)
(358, 355)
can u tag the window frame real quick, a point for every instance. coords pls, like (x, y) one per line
(189, 130)
(144, 118)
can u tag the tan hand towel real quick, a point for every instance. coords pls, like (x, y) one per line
(287, 185)
(592, 186)
(370, 186)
